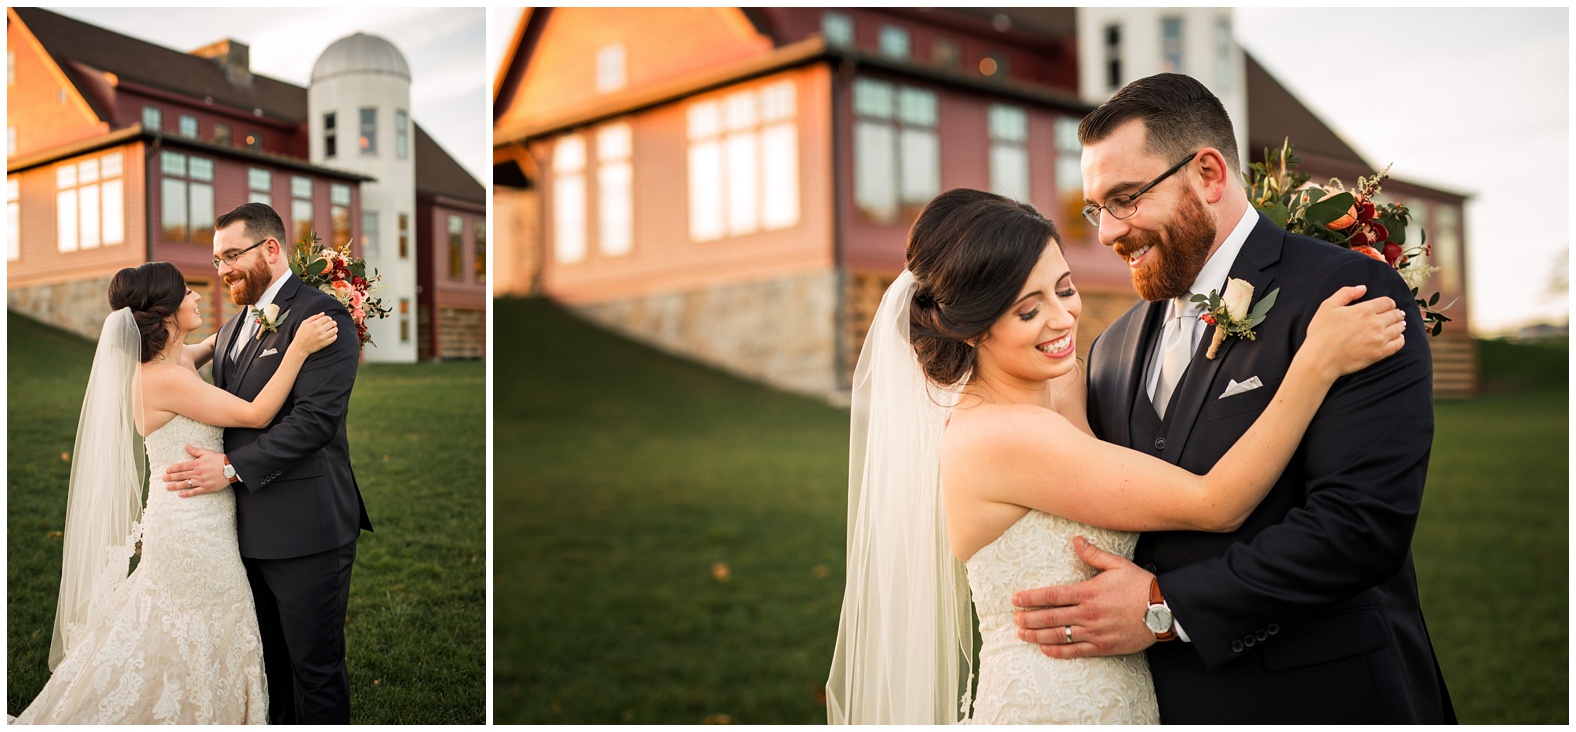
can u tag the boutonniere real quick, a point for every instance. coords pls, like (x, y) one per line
(268, 319)
(1230, 314)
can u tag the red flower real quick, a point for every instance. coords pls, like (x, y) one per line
(1392, 253)
(1369, 251)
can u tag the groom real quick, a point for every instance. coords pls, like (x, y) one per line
(1309, 612)
(298, 509)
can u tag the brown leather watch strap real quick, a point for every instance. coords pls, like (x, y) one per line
(1155, 598)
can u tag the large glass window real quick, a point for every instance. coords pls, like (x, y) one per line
(369, 131)
(1223, 56)
(339, 213)
(1009, 151)
(1171, 45)
(260, 186)
(301, 207)
(569, 199)
(615, 178)
(456, 246)
(369, 234)
(187, 192)
(330, 136)
(744, 163)
(401, 134)
(897, 152)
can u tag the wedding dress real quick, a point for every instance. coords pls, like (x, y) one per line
(176, 641)
(1017, 683)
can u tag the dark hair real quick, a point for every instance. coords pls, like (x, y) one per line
(970, 253)
(1180, 115)
(154, 292)
(261, 221)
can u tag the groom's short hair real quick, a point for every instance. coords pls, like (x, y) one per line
(1180, 114)
(261, 221)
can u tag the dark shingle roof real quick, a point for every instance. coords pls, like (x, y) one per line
(1274, 114)
(438, 173)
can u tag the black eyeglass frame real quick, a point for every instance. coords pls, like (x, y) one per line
(230, 260)
(1091, 212)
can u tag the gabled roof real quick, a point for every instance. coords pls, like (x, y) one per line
(438, 173)
(159, 67)
(1274, 114)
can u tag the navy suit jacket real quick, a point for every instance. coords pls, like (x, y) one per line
(1309, 612)
(299, 496)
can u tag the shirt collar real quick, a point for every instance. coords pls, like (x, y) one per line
(272, 291)
(1218, 268)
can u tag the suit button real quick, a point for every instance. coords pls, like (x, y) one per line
(1273, 629)
(1248, 641)
(1261, 635)
(1236, 646)
(1160, 443)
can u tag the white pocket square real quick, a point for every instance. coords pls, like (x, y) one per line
(1234, 388)
(268, 352)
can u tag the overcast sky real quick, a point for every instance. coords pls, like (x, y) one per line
(1472, 101)
(450, 95)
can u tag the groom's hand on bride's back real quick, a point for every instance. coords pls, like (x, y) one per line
(203, 474)
(1105, 613)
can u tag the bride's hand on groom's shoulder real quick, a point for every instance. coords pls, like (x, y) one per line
(1104, 613)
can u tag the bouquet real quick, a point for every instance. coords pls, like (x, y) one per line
(336, 271)
(1355, 219)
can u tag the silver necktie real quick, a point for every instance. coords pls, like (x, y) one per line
(1177, 345)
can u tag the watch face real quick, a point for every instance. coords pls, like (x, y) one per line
(1158, 618)
(229, 471)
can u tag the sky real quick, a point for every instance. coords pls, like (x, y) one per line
(1474, 101)
(450, 90)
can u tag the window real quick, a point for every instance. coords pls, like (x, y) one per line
(897, 152)
(404, 320)
(610, 65)
(188, 126)
(1113, 57)
(947, 54)
(339, 213)
(254, 140)
(329, 140)
(301, 207)
(1069, 179)
(615, 177)
(221, 133)
(569, 198)
(404, 235)
(369, 131)
(1171, 45)
(744, 163)
(1445, 239)
(1009, 152)
(13, 216)
(894, 41)
(401, 135)
(152, 119)
(1223, 55)
(260, 186)
(837, 29)
(187, 192)
(456, 246)
(479, 236)
(993, 64)
(369, 234)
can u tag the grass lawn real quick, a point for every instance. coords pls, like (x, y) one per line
(670, 539)
(417, 621)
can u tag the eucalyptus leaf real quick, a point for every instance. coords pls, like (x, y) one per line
(1278, 214)
(1263, 307)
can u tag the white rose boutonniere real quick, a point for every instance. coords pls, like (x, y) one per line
(1231, 314)
(268, 319)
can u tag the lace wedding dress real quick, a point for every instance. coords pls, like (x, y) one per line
(1017, 683)
(176, 642)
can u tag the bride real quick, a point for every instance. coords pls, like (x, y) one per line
(972, 468)
(175, 640)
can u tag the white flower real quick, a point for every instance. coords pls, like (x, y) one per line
(1238, 298)
(271, 312)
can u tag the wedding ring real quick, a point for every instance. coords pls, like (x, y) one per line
(189, 485)
(1069, 633)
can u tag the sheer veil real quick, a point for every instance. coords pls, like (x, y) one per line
(104, 500)
(905, 641)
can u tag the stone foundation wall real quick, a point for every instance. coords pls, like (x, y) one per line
(779, 331)
(462, 333)
(79, 307)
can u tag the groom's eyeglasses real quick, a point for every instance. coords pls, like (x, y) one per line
(1122, 207)
(230, 259)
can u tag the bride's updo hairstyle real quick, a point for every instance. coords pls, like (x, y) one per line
(154, 292)
(970, 253)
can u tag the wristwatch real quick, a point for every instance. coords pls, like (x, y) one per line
(1158, 616)
(229, 470)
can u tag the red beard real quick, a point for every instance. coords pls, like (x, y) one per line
(1177, 256)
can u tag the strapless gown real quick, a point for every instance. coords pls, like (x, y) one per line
(1017, 683)
(176, 641)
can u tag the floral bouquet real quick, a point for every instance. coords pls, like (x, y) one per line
(1354, 219)
(339, 273)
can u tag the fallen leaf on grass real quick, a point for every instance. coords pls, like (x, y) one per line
(821, 571)
(65, 457)
(720, 572)
(53, 535)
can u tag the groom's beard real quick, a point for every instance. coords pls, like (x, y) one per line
(248, 286)
(1179, 257)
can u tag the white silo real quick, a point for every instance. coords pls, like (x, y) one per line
(359, 120)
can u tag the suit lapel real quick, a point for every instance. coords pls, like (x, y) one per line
(1255, 264)
(222, 346)
(1139, 342)
(283, 299)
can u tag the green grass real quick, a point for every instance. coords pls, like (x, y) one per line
(623, 477)
(417, 621)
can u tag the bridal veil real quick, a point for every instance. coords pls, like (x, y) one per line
(104, 498)
(905, 639)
